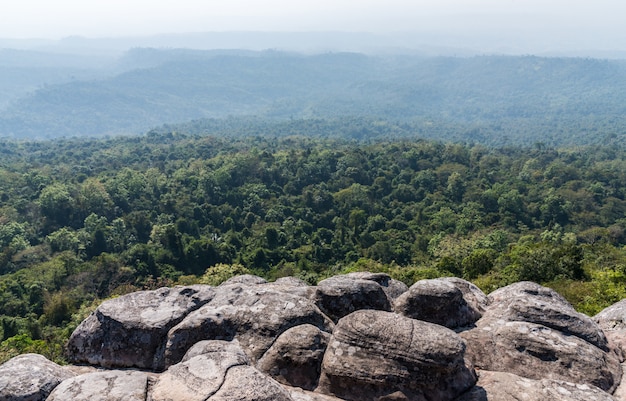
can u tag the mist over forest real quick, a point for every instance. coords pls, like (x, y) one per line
(491, 99)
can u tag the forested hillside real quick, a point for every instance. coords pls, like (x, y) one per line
(84, 219)
(498, 100)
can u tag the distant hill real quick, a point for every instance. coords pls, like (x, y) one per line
(518, 98)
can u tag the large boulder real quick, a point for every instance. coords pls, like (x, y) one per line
(612, 320)
(613, 317)
(453, 303)
(112, 385)
(557, 316)
(216, 371)
(295, 358)
(523, 289)
(535, 351)
(30, 377)
(375, 355)
(254, 315)
(392, 287)
(128, 331)
(339, 296)
(533, 332)
(500, 386)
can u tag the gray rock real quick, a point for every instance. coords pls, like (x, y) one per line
(339, 296)
(613, 321)
(298, 394)
(295, 358)
(217, 374)
(450, 303)
(376, 355)
(500, 386)
(555, 315)
(245, 383)
(613, 317)
(219, 350)
(113, 385)
(525, 289)
(198, 378)
(291, 282)
(30, 377)
(293, 285)
(129, 330)
(254, 315)
(620, 391)
(475, 298)
(536, 352)
(533, 332)
(392, 287)
(245, 279)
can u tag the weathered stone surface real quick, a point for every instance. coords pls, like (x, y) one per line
(245, 279)
(450, 303)
(245, 383)
(128, 331)
(524, 289)
(219, 350)
(532, 331)
(198, 378)
(113, 385)
(254, 315)
(296, 357)
(620, 391)
(499, 386)
(392, 287)
(374, 354)
(555, 315)
(613, 317)
(475, 298)
(298, 394)
(30, 377)
(293, 285)
(224, 343)
(291, 282)
(612, 320)
(341, 295)
(536, 352)
(215, 370)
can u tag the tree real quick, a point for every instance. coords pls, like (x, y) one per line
(64, 239)
(543, 262)
(57, 204)
(478, 262)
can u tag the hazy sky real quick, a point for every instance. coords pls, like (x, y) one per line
(598, 22)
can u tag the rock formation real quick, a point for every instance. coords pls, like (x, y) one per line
(502, 386)
(360, 336)
(531, 331)
(450, 302)
(30, 377)
(129, 330)
(373, 354)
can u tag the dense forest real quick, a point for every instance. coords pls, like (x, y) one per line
(85, 219)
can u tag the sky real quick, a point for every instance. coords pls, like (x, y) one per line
(582, 23)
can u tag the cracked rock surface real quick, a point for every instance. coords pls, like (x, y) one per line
(360, 336)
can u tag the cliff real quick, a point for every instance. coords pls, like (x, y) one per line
(360, 336)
